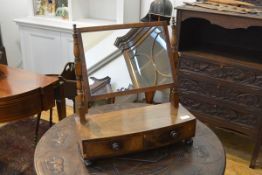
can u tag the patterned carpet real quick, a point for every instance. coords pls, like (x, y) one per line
(16, 148)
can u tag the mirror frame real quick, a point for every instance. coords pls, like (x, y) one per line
(83, 89)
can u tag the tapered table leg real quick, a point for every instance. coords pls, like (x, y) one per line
(60, 101)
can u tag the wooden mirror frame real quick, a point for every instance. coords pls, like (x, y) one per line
(83, 89)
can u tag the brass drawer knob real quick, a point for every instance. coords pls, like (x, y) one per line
(173, 134)
(115, 146)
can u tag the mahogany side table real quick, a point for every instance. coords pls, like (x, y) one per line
(23, 94)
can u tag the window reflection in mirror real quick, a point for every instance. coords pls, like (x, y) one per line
(131, 58)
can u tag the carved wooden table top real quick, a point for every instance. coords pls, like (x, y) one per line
(58, 153)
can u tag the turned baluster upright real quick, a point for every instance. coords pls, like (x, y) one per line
(81, 108)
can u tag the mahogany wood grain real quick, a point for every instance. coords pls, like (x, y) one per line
(20, 106)
(133, 130)
(23, 93)
(174, 56)
(116, 123)
(16, 81)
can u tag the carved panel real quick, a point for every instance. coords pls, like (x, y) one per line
(225, 93)
(240, 75)
(220, 111)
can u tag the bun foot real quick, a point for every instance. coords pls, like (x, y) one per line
(87, 163)
(189, 142)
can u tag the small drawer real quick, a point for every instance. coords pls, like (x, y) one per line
(243, 96)
(240, 74)
(219, 111)
(113, 147)
(169, 135)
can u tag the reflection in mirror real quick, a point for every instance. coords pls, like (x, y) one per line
(127, 58)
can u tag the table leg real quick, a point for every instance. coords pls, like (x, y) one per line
(60, 101)
(256, 149)
(37, 128)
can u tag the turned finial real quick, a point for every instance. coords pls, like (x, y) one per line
(173, 38)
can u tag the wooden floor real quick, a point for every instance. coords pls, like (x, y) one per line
(238, 150)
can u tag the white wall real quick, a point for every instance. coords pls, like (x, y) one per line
(145, 5)
(9, 10)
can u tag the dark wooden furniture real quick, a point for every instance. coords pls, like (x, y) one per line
(58, 153)
(67, 80)
(23, 94)
(3, 59)
(133, 130)
(66, 86)
(220, 69)
(126, 131)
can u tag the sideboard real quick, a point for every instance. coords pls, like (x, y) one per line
(220, 69)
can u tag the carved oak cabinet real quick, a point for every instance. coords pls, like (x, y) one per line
(220, 69)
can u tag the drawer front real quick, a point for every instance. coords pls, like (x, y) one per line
(113, 147)
(228, 72)
(220, 111)
(243, 96)
(169, 135)
(20, 106)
